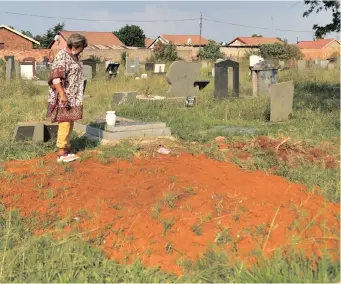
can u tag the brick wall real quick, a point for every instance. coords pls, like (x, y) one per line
(19, 54)
(14, 41)
(323, 53)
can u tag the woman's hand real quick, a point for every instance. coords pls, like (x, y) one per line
(63, 98)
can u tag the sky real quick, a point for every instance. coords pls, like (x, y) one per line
(272, 15)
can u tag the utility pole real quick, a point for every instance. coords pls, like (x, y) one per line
(200, 25)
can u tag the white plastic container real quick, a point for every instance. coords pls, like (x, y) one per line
(110, 118)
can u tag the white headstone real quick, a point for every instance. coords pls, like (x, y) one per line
(26, 71)
(254, 59)
(159, 68)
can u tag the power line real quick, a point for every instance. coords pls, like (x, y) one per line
(96, 20)
(262, 28)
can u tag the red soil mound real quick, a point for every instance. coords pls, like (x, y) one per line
(115, 202)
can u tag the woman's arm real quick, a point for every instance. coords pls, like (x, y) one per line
(57, 84)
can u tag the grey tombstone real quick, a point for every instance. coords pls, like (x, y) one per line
(17, 69)
(87, 71)
(9, 69)
(136, 65)
(331, 66)
(92, 63)
(281, 101)
(35, 131)
(318, 62)
(263, 76)
(221, 78)
(129, 69)
(324, 64)
(123, 97)
(181, 76)
(310, 63)
(301, 65)
(281, 64)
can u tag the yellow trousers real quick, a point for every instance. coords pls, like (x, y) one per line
(64, 134)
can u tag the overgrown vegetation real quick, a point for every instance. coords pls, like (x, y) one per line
(280, 51)
(210, 51)
(164, 53)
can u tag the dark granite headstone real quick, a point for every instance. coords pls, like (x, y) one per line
(149, 67)
(221, 78)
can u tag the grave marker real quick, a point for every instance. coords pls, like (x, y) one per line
(149, 67)
(87, 71)
(28, 68)
(281, 101)
(324, 64)
(331, 66)
(301, 65)
(123, 97)
(263, 76)
(221, 78)
(159, 68)
(9, 69)
(181, 76)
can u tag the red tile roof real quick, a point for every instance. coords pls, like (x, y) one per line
(315, 44)
(182, 39)
(257, 40)
(148, 41)
(101, 38)
(19, 34)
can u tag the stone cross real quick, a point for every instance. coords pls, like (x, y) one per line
(181, 76)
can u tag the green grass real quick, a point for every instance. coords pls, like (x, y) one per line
(28, 258)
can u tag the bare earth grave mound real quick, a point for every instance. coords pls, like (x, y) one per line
(165, 209)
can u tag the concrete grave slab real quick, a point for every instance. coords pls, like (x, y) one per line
(123, 97)
(281, 101)
(125, 129)
(35, 131)
(181, 76)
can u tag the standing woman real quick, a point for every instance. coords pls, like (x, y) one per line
(65, 103)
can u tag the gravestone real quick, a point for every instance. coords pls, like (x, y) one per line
(263, 76)
(281, 64)
(159, 68)
(28, 68)
(92, 63)
(310, 63)
(149, 67)
(254, 59)
(281, 101)
(17, 69)
(331, 66)
(317, 62)
(132, 68)
(221, 78)
(112, 70)
(301, 65)
(123, 97)
(9, 69)
(87, 71)
(181, 76)
(324, 64)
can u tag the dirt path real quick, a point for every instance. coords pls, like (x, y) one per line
(165, 208)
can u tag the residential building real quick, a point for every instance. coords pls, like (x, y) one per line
(180, 40)
(254, 41)
(320, 48)
(12, 39)
(96, 40)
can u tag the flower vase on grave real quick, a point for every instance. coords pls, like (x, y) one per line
(110, 118)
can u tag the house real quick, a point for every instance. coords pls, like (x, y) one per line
(180, 40)
(148, 41)
(12, 39)
(319, 49)
(254, 41)
(96, 40)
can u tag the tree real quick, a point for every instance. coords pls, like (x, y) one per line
(27, 33)
(280, 51)
(131, 35)
(48, 37)
(255, 35)
(164, 53)
(210, 51)
(318, 6)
